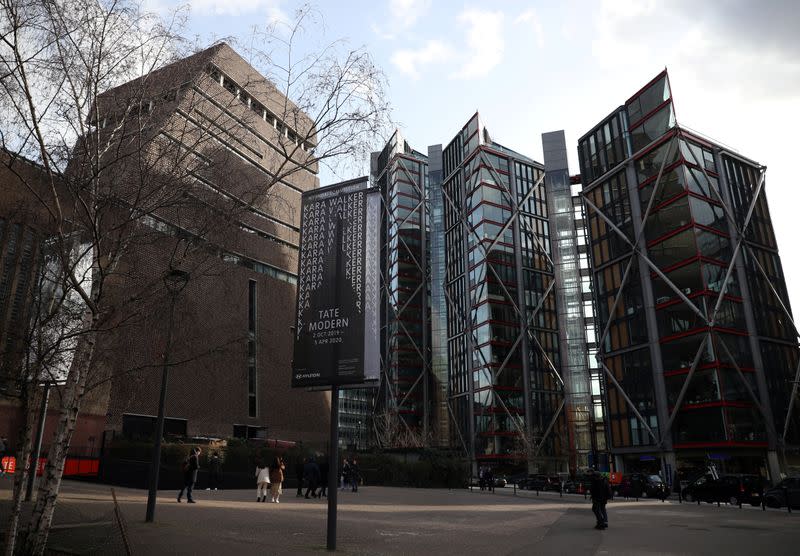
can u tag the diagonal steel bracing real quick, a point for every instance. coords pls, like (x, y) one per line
(709, 320)
(525, 320)
(624, 281)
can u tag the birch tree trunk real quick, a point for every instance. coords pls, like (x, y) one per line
(23, 455)
(72, 394)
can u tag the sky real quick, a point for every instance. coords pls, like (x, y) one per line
(530, 67)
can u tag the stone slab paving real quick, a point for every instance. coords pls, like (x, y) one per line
(379, 520)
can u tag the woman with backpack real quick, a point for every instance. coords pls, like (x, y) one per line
(276, 478)
(262, 482)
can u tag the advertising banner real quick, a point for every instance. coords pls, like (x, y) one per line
(338, 297)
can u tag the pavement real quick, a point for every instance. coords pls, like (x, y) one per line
(383, 520)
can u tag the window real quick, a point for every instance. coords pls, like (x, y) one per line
(648, 100)
(252, 368)
(653, 128)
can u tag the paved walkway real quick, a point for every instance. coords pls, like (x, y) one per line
(380, 520)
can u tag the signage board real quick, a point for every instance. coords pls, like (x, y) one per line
(336, 335)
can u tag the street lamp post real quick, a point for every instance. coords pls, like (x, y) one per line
(175, 281)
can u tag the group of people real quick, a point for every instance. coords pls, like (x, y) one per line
(486, 478)
(349, 474)
(313, 477)
(270, 478)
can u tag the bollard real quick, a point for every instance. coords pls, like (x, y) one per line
(718, 503)
(740, 503)
(698, 501)
(515, 489)
(763, 505)
(537, 491)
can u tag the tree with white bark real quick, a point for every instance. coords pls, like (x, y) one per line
(111, 183)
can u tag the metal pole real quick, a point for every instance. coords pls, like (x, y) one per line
(333, 461)
(159, 433)
(38, 450)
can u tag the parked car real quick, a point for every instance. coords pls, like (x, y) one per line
(580, 484)
(776, 497)
(535, 482)
(640, 485)
(500, 482)
(727, 488)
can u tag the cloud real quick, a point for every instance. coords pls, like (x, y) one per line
(485, 41)
(742, 45)
(406, 12)
(410, 61)
(239, 7)
(535, 23)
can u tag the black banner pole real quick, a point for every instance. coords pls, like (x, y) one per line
(333, 461)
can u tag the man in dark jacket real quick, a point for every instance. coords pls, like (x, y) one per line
(355, 474)
(311, 475)
(190, 469)
(298, 471)
(214, 472)
(323, 477)
(601, 492)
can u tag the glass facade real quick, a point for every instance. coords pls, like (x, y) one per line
(506, 389)
(678, 331)
(401, 173)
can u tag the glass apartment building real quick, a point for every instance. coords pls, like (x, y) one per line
(404, 401)
(506, 390)
(692, 313)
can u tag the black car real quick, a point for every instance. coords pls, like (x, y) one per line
(580, 484)
(727, 488)
(535, 482)
(777, 496)
(641, 485)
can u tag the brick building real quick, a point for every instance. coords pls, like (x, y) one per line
(231, 334)
(244, 150)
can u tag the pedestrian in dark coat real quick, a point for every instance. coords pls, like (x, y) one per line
(345, 473)
(298, 472)
(355, 474)
(311, 475)
(190, 468)
(214, 472)
(323, 478)
(601, 492)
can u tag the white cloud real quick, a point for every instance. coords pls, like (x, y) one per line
(485, 40)
(240, 7)
(406, 12)
(411, 61)
(385, 35)
(532, 19)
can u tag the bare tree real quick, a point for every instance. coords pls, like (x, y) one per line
(89, 94)
(392, 432)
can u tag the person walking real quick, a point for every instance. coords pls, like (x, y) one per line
(488, 478)
(323, 477)
(345, 473)
(262, 482)
(601, 492)
(191, 466)
(276, 479)
(214, 471)
(355, 474)
(299, 469)
(311, 476)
